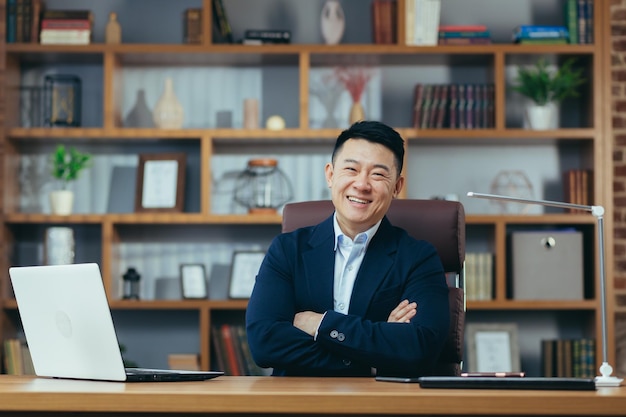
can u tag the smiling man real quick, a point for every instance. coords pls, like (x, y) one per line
(353, 295)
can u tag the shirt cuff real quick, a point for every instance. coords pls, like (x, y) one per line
(318, 327)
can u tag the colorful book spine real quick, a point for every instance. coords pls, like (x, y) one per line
(464, 34)
(464, 41)
(541, 32)
(571, 20)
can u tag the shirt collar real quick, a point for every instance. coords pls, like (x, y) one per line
(369, 233)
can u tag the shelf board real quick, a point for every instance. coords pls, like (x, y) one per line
(196, 218)
(486, 219)
(143, 218)
(280, 54)
(470, 135)
(178, 304)
(532, 305)
(163, 304)
(366, 48)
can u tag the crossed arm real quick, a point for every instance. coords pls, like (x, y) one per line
(309, 321)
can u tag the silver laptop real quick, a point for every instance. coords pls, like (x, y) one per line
(69, 329)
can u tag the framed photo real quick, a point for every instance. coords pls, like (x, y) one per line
(160, 182)
(243, 272)
(492, 347)
(193, 281)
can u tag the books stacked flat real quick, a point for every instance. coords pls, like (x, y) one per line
(66, 27)
(538, 35)
(464, 35)
(259, 37)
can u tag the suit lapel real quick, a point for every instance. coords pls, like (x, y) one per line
(375, 266)
(319, 263)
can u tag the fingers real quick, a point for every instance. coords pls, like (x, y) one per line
(403, 313)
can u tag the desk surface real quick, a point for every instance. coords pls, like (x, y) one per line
(258, 395)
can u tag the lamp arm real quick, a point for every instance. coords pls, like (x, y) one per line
(605, 379)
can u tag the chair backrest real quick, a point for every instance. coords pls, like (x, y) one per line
(440, 222)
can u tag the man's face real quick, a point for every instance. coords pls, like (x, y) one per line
(363, 181)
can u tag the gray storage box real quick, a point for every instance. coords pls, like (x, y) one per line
(547, 265)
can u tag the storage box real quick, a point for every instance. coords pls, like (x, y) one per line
(547, 265)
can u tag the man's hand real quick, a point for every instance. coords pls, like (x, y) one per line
(307, 321)
(403, 313)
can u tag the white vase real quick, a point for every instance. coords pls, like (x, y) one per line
(541, 117)
(168, 112)
(333, 22)
(61, 202)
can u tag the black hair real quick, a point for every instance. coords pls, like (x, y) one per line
(376, 132)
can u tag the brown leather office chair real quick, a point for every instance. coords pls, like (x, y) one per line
(442, 223)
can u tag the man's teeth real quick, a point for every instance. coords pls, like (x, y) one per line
(356, 200)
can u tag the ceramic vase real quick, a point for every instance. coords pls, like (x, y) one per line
(140, 115)
(541, 117)
(357, 113)
(113, 32)
(168, 112)
(61, 202)
(333, 22)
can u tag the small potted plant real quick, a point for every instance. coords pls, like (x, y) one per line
(67, 163)
(545, 89)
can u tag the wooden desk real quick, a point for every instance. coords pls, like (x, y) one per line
(289, 396)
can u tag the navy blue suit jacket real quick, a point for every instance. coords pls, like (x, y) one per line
(297, 275)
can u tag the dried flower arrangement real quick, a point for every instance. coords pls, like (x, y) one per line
(354, 79)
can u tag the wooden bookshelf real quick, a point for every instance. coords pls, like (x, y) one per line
(590, 140)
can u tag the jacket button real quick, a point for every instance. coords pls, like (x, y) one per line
(341, 337)
(334, 334)
(347, 362)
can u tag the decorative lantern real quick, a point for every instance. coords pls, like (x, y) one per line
(131, 284)
(62, 98)
(262, 187)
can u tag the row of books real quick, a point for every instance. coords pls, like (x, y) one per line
(579, 21)
(17, 360)
(22, 21)
(578, 187)
(454, 106)
(478, 276)
(569, 358)
(464, 35)
(232, 352)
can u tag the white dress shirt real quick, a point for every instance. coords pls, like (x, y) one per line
(349, 255)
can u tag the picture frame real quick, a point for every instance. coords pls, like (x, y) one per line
(244, 269)
(193, 282)
(492, 347)
(160, 182)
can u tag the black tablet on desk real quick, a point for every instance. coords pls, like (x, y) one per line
(535, 383)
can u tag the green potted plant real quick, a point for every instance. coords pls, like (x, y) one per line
(545, 89)
(67, 164)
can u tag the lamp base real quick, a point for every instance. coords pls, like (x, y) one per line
(606, 380)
